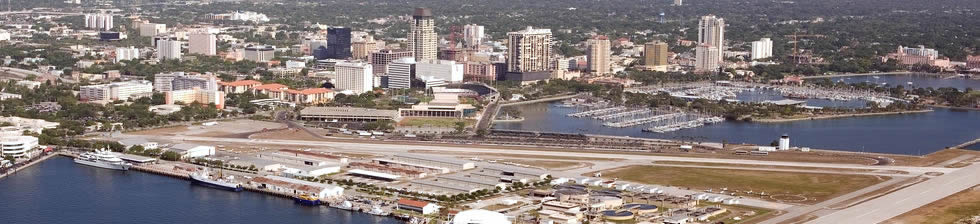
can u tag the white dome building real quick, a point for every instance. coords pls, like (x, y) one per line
(480, 216)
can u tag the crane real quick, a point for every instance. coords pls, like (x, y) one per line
(796, 35)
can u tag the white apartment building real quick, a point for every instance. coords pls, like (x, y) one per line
(202, 43)
(447, 70)
(99, 21)
(127, 53)
(115, 91)
(357, 77)
(761, 49)
(168, 49)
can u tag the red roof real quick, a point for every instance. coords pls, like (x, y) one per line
(240, 83)
(270, 86)
(413, 203)
(310, 91)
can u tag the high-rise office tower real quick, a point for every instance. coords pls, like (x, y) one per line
(338, 42)
(706, 59)
(168, 49)
(598, 55)
(655, 54)
(202, 43)
(529, 50)
(711, 31)
(400, 73)
(473, 35)
(761, 49)
(422, 36)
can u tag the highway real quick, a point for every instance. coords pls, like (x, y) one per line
(886, 207)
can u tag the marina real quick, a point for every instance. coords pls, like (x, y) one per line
(760, 93)
(121, 197)
(897, 133)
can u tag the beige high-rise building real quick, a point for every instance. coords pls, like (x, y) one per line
(598, 55)
(529, 50)
(655, 54)
(422, 37)
(202, 43)
(706, 59)
(363, 48)
(711, 31)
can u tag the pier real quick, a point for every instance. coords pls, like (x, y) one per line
(598, 112)
(645, 120)
(698, 122)
(624, 114)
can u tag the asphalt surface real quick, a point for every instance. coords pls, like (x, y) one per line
(886, 207)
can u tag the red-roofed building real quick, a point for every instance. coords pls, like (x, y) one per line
(309, 96)
(417, 206)
(240, 86)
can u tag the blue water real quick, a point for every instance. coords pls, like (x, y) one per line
(60, 191)
(918, 81)
(913, 134)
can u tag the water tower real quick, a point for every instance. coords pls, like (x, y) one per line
(784, 142)
(662, 20)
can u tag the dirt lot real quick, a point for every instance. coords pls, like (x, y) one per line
(946, 210)
(805, 188)
(241, 128)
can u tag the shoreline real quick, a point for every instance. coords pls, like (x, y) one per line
(182, 176)
(781, 120)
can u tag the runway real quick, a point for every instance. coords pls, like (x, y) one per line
(886, 207)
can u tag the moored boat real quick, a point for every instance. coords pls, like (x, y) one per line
(307, 200)
(203, 178)
(102, 159)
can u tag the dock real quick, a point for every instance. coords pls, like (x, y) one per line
(645, 120)
(598, 112)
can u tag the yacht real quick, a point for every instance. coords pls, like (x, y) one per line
(102, 159)
(220, 182)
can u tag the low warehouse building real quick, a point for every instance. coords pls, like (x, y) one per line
(480, 216)
(417, 206)
(291, 186)
(187, 150)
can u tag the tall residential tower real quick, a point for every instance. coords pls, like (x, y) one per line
(711, 31)
(598, 55)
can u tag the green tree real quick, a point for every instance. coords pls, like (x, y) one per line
(170, 156)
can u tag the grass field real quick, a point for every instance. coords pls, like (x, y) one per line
(815, 187)
(947, 210)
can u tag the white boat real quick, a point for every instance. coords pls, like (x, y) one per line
(220, 182)
(102, 159)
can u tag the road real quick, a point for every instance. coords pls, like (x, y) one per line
(894, 204)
